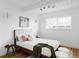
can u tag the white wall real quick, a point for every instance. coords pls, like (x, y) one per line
(69, 37)
(33, 17)
(7, 25)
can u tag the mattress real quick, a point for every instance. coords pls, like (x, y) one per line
(45, 51)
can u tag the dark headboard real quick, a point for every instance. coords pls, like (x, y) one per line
(14, 37)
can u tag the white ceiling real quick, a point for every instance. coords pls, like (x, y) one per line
(24, 4)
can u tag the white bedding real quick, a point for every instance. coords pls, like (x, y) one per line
(45, 51)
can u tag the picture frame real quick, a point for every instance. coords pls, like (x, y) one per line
(23, 21)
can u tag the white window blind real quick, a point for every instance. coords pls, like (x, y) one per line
(58, 23)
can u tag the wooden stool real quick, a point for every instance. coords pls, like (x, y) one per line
(8, 47)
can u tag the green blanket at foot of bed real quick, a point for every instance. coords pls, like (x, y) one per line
(37, 49)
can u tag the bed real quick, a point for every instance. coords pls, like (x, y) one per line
(28, 45)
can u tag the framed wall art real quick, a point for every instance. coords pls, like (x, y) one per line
(23, 21)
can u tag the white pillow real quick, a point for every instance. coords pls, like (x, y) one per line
(30, 38)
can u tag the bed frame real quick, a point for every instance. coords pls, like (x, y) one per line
(24, 49)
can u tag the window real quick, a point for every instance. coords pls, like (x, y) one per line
(58, 23)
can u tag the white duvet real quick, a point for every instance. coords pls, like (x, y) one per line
(45, 51)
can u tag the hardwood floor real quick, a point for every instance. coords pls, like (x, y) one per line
(75, 52)
(18, 54)
(22, 54)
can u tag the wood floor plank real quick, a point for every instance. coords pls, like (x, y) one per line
(18, 54)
